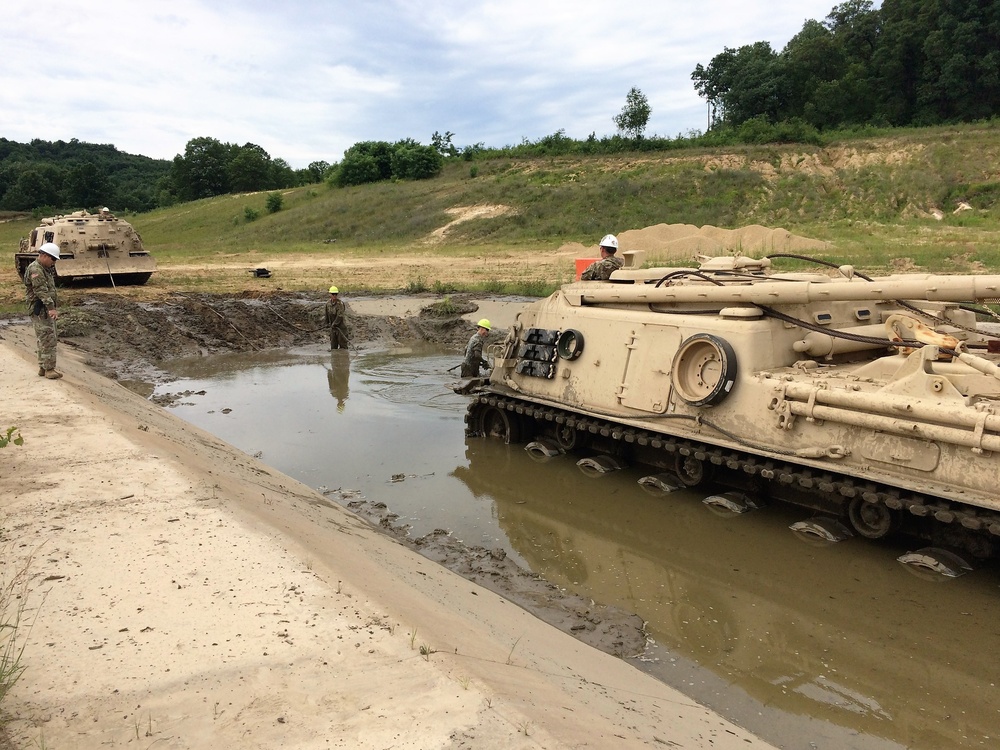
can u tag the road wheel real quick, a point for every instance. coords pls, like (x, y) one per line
(690, 470)
(872, 520)
(566, 437)
(500, 424)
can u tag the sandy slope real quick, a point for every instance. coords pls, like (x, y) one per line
(188, 596)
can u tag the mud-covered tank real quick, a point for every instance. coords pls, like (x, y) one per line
(97, 246)
(874, 402)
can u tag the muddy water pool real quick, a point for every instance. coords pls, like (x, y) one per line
(834, 646)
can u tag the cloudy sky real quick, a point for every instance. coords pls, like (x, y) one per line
(305, 79)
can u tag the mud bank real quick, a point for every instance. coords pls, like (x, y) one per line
(130, 339)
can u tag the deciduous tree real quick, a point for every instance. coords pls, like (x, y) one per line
(634, 117)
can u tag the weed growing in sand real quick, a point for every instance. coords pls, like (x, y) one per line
(510, 656)
(14, 580)
(413, 638)
(7, 438)
(426, 651)
(464, 682)
(524, 728)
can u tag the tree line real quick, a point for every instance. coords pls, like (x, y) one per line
(908, 63)
(55, 176)
(45, 176)
(60, 174)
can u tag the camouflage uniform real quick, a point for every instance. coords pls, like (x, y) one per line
(40, 294)
(474, 357)
(601, 270)
(335, 318)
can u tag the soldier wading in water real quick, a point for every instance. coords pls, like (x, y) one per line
(40, 294)
(335, 318)
(474, 351)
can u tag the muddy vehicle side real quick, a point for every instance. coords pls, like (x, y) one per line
(874, 401)
(100, 246)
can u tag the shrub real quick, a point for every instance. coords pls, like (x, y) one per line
(250, 214)
(274, 202)
(416, 162)
(357, 169)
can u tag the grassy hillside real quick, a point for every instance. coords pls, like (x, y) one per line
(873, 199)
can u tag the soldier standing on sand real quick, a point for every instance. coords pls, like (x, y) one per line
(601, 270)
(40, 294)
(335, 318)
(474, 351)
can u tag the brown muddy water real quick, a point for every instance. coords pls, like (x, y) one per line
(817, 647)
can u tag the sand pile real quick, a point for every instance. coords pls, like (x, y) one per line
(684, 241)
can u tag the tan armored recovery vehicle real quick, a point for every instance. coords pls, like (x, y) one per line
(98, 246)
(874, 402)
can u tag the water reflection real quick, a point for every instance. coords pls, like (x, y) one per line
(338, 376)
(842, 634)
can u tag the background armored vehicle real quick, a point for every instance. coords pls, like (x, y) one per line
(98, 246)
(873, 401)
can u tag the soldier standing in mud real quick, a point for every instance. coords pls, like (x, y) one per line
(474, 351)
(601, 270)
(40, 294)
(335, 318)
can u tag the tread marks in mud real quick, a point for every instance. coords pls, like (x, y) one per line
(873, 510)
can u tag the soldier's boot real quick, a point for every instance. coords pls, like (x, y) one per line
(41, 371)
(53, 374)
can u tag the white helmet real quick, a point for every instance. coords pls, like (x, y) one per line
(609, 241)
(50, 248)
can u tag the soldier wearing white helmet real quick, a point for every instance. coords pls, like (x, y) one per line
(601, 270)
(40, 294)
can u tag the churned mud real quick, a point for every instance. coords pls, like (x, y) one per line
(609, 629)
(130, 340)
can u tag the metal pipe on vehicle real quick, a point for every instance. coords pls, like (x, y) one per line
(883, 404)
(925, 287)
(902, 427)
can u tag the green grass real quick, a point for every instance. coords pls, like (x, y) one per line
(868, 192)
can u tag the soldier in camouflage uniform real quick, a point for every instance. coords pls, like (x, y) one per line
(40, 294)
(335, 318)
(474, 351)
(602, 269)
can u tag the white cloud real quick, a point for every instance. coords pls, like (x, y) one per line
(305, 80)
